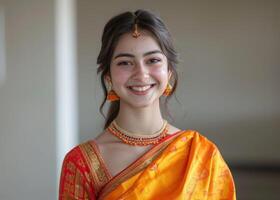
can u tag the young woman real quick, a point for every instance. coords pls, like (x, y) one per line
(139, 155)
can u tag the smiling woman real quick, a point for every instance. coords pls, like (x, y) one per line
(139, 71)
(140, 155)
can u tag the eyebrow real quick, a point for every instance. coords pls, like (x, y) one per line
(132, 56)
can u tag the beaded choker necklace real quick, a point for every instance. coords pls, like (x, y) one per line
(136, 138)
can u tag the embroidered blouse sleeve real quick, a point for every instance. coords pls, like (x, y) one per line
(75, 180)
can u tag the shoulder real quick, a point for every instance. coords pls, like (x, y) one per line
(199, 141)
(204, 148)
(201, 149)
(173, 130)
(76, 181)
(206, 160)
(194, 134)
(77, 155)
(81, 154)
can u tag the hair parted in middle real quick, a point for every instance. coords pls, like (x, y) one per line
(125, 23)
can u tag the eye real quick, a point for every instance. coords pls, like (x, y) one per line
(154, 60)
(124, 63)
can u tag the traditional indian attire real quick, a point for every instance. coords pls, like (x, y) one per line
(183, 166)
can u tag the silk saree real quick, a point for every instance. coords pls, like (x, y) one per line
(184, 166)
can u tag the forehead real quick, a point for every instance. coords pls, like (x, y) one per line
(144, 43)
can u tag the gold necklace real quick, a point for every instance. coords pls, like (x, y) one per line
(136, 138)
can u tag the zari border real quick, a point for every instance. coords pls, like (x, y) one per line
(137, 166)
(100, 176)
(100, 158)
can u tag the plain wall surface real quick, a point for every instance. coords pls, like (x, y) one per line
(27, 117)
(228, 75)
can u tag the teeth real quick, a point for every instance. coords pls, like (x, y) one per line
(140, 89)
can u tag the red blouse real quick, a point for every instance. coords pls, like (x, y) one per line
(83, 173)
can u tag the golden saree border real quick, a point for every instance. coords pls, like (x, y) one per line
(138, 165)
(100, 158)
(190, 167)
(96, 165)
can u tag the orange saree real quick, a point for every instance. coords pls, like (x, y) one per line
(184, 166)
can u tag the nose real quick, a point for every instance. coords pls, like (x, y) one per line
(141, 71)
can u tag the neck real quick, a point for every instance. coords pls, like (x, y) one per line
(144, 120)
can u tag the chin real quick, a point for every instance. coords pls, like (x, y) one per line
(140, 104)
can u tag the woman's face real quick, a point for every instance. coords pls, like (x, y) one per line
(139, 70)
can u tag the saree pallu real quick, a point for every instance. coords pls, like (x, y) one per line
(184, 166)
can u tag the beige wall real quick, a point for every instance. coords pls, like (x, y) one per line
(229, 74)
(27, 126)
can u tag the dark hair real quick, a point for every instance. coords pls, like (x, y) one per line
(113, 30)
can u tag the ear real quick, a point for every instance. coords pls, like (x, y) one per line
(108, 78)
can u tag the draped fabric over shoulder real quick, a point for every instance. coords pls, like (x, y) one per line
(184, 166)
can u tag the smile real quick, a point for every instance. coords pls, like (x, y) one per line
(141, 90)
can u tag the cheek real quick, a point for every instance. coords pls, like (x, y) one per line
(118, 76)
(160, 74)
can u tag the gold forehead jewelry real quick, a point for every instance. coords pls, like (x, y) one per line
(135, 33)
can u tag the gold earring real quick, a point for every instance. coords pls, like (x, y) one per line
(112, 96)
(168, 90)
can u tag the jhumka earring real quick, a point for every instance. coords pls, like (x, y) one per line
(112, 96)
(167, 90)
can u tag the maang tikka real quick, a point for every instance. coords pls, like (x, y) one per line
(135, 33)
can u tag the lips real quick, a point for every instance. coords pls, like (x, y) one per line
(141, 89)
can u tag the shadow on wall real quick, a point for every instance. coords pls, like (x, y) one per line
(256, 183)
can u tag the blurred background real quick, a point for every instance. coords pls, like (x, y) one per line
(50, 93)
